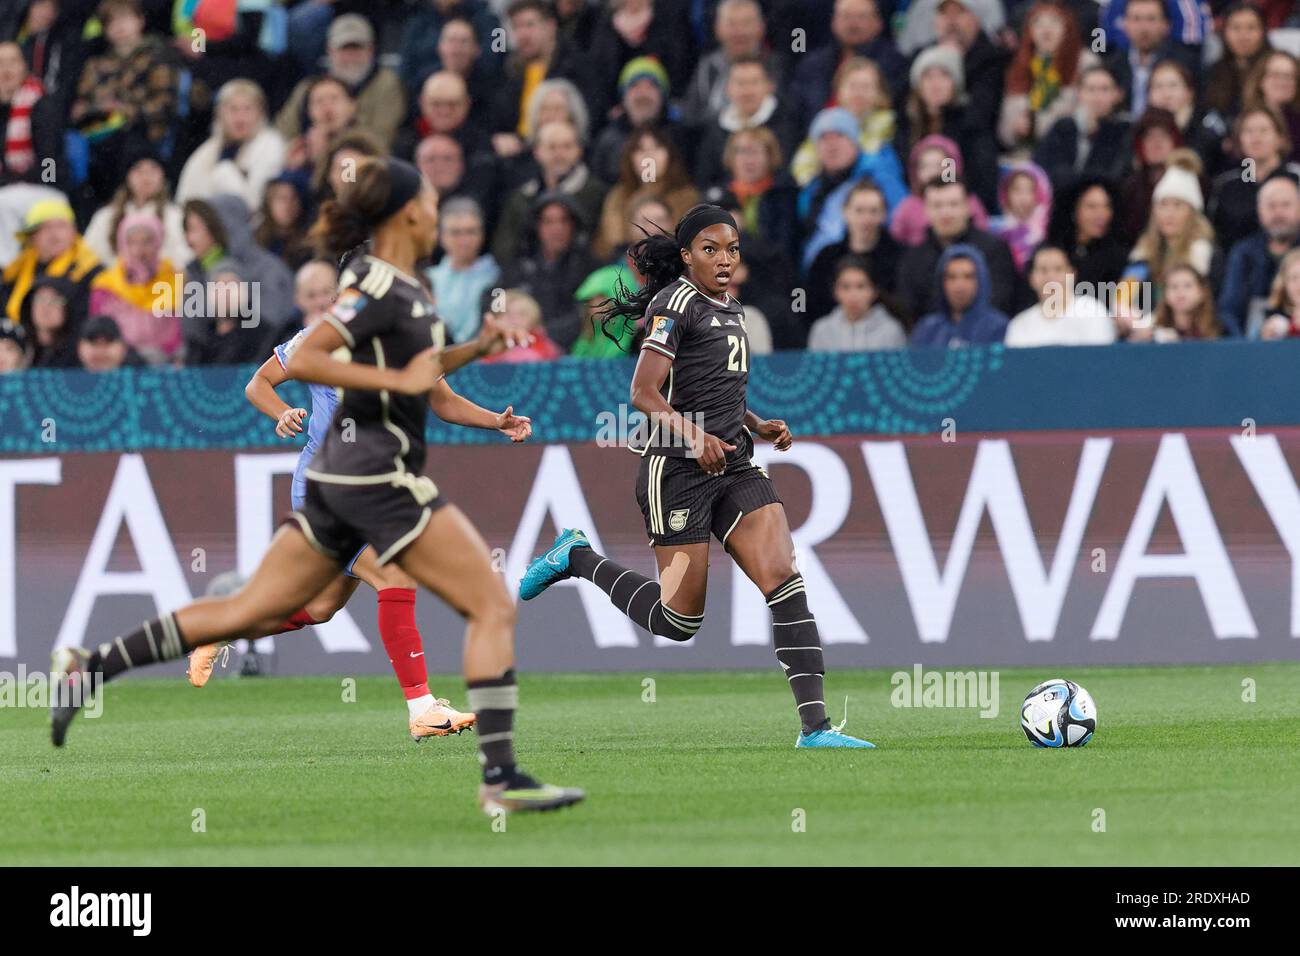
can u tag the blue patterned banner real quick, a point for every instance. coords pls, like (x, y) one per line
(912, 392)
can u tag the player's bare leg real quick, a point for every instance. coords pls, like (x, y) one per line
(451, 559)
(316, 611)
(761, 545)
(427, 716)
(672, 607)
(291, 572)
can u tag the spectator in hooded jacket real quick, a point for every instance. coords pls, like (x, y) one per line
(933, 157)
(272, 306)
(1025, 197)
(243, 154)
(948, 211)
(965, 315)
(142, 291)
(842, 163)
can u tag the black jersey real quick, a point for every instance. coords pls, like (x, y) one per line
(386, 318)
(709, 346)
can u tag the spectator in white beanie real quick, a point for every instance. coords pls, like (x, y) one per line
(1176, 233)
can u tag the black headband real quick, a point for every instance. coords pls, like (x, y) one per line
(405, 184)
(701, 218)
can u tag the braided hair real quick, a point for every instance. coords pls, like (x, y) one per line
(658, 257)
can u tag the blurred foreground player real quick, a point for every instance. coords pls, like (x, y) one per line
(365, 485)
(428, 716)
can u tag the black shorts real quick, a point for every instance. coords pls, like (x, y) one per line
(341, 519)
(683, 504)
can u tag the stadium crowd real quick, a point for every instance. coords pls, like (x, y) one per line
(932, 172)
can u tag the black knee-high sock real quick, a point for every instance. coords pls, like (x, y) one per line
(799, 649)
(635, 595)
(494, 702)
(156, 640)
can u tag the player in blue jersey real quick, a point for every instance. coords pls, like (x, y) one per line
(429, 716)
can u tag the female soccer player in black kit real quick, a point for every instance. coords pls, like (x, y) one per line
(697, 475)
(365, 484)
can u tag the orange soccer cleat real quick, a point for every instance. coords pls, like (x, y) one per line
(440, 720)
(202, 660)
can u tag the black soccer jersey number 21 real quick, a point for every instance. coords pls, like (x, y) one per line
(708, 344)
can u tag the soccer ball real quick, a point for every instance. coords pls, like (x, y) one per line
(1058, 713)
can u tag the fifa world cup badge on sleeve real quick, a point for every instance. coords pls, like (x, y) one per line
(348, 305)
(663, 325)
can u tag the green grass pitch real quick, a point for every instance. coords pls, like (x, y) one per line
(286, 772)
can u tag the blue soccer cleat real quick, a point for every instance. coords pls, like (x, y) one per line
(831, 737)
(545, 569)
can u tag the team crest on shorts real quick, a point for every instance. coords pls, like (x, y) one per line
(677, 518)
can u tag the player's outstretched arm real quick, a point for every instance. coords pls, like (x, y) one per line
(260, 392)
(451, 406)
(313, 361)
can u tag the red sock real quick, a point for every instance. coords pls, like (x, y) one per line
(402, 640)
(296, 622)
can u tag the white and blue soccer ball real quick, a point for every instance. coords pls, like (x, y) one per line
(1058, 713)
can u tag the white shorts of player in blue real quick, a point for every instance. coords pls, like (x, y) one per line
(298, 494)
